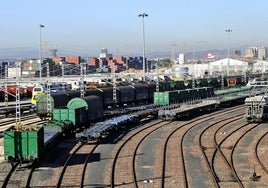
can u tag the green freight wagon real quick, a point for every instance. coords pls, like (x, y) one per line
(159, 98)
(77, 116)
(25, 144)
(168, 97)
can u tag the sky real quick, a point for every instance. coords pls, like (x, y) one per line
(83, 27)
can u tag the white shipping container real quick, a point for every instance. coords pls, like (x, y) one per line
(12, 72)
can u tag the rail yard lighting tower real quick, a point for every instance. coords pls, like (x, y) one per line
(40, 50)
(228, 51)
(143, 41)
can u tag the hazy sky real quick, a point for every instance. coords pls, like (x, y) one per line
(83, 27)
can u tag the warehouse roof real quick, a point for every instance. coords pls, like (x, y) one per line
(224, 62)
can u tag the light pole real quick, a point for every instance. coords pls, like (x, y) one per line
(40, 51)
(228, 31)
(143, 39)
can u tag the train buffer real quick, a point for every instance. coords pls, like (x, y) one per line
(186, 109)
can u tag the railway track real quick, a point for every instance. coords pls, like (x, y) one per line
(162, 154)
(210, 152)
(73, 171)
(258, 154)
(224, 156)
(127, 159)
(123, 178)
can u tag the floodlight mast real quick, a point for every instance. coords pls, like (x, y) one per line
(228, 51)
(40, 50)
(143, 41)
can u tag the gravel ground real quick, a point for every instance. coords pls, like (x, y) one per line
(195, 169)
(96, 167)
(146, 172)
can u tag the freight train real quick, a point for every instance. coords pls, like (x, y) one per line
(125, 95)
(71, 112)
(131, 94)
(78, 112)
